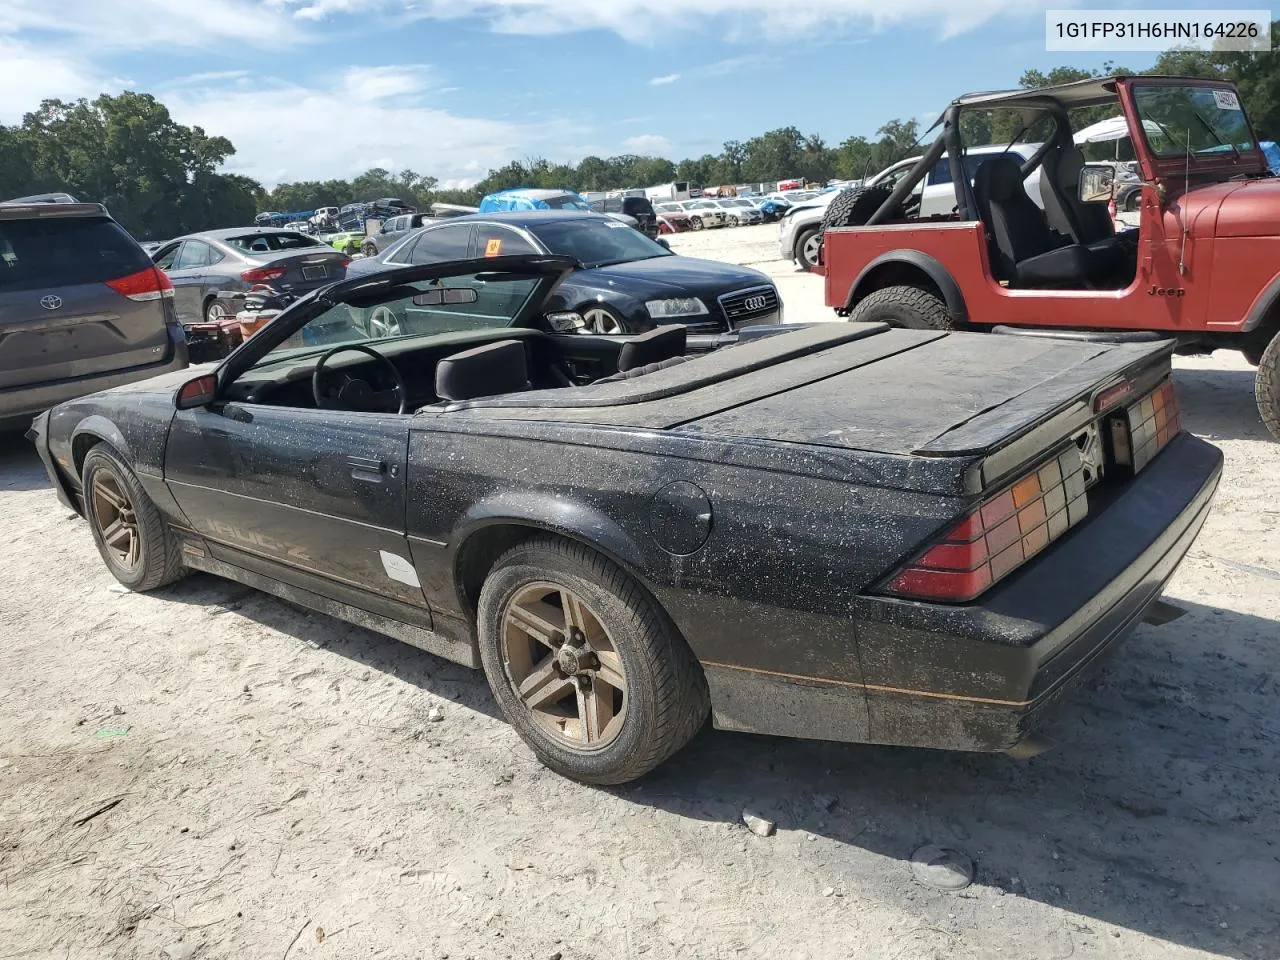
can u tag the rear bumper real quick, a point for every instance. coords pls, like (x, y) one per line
(19, 404)
(982, 677)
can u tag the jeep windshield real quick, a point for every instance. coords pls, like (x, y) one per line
(1200, 120)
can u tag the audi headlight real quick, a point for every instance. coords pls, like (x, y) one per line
(677, 307)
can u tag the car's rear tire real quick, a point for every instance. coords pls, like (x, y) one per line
(135, 542)
(1266, 386)
(808, 248)
(214, 311)
(913, 308)
(613, 690)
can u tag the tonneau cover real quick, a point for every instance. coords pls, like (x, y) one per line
(905, 392)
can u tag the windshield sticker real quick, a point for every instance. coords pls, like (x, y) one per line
(399, 569)
(1226, 100)
(493, 247)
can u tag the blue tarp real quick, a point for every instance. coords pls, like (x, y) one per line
(522, 198)
(1272, 153)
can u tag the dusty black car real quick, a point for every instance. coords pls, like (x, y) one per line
(844, 531)
(625, 281)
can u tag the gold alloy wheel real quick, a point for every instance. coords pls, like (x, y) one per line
(117, 522)
(563, 665)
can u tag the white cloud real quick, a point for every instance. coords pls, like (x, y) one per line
(647, 145)
(139, 24)
(64, 78)
(380, 83)
(647, 20)
(664, 80)
(285, 131)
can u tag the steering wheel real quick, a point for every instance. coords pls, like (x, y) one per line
(355, 394)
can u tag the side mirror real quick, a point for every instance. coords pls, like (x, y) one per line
(197, 393)
(1096, 184)
(662, 242)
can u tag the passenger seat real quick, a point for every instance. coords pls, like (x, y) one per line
(649, 352)
(1089, 224)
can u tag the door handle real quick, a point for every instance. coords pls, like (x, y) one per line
(369, 469)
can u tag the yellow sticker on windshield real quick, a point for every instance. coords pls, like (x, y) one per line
(493, 248)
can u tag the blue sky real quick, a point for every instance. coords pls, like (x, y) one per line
(309, 89)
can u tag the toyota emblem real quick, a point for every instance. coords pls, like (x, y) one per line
(51, 302)
(757, 303)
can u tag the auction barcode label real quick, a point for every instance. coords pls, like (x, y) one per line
(1157, 30)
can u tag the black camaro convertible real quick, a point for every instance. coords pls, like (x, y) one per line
(840, 531)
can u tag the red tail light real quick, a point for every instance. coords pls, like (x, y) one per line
(150, 283)
(344, 262)
(1142, 430)
(1000, 535)
(263, 274)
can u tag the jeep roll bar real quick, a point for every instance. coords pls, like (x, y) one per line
(949, 142)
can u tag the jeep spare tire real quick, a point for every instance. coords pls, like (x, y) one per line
(855, 206)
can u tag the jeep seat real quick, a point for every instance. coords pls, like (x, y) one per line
(1086, 223)
(1024, 250)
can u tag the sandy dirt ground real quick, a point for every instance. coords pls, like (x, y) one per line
(208, 772)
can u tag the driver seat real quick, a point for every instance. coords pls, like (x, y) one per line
(488, 371)
(1024, 250)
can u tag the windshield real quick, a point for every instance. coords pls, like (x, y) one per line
(1195, 119)
(566, 202)
(467, 302)
(597, 243)
(270, 242)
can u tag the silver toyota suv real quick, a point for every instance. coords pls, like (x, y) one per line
(82, 308)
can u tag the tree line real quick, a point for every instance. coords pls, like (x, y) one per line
(160, 178)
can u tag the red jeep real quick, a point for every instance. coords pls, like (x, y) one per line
(1203, 266)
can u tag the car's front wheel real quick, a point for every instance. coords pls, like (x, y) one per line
(696, 223)
(600, 319)
(135, 542)
(369, 250)
(1266, 386)
(585, 665)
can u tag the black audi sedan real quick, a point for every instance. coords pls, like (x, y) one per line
(626, 282)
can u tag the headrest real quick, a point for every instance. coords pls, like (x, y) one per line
(1070, 163)
(487, 371)
(999, 178)
(660, 343)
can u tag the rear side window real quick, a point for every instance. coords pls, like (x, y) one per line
(444, 243)
(501, 242)
(64, 252)
(270, 242)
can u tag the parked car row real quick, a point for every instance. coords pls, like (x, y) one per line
(710, 214)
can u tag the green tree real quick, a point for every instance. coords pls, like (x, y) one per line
(126, 152)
